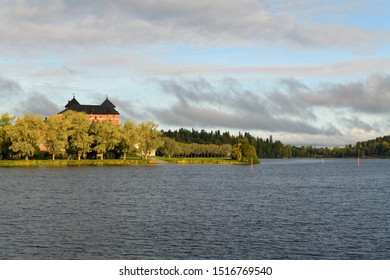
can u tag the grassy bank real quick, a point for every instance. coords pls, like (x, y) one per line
(116, 162)
(200, 160)
(85, 162)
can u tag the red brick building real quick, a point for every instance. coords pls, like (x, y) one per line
(104, 111)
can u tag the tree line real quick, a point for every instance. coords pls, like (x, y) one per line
(241, 151)
(172, 148)
(72, 135)
(264, 148)
(269, 148)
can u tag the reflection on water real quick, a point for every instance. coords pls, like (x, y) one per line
(283, 209)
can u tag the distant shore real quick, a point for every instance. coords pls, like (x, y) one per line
(114, 162)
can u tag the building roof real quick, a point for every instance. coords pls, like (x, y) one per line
(72, 102)
(108, 103)
(106, 108)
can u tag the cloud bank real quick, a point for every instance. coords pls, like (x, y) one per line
(298, 69)
(21, 102)
(73, 24)
(291, 106)
(9, 88)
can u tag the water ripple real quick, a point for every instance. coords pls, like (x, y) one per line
(284, 209)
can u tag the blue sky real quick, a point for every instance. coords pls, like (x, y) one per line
(307, 72)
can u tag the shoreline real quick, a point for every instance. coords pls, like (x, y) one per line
(66, 163)
(114, 162)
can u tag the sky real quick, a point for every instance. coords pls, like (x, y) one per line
(307, 72)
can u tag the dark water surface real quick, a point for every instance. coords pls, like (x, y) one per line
(282, 209)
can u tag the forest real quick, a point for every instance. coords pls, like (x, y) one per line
(269, 148)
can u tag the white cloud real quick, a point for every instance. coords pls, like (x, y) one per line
(334, 112)
(204, 22)
(232, 106)
(370, 96)
(96, 46)
(156, 67)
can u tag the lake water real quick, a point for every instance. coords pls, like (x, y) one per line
(281, 209)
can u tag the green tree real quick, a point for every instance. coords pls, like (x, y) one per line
(57, 131)
(106, 136)
(170, 147)
(6, 119)
(26, 135)
(277, 147)
(128, 138)
(150, 138)
(5, 142)
(245, 152)
(226, 150)
(237, 152)
(79, 140)
(287, 151)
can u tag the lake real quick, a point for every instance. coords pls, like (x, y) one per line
(281, 209)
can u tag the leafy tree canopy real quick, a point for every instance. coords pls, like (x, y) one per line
(245, 152)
